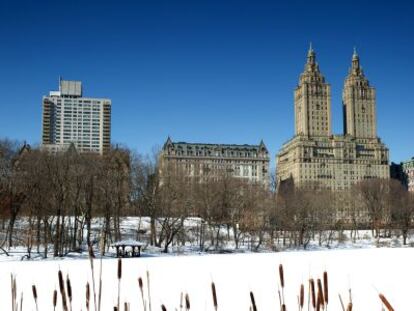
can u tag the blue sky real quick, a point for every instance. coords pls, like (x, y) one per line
(204, 71)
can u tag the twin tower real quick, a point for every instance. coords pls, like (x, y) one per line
(313, 102)
(316, 158)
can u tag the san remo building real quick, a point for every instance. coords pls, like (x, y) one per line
(315, 156)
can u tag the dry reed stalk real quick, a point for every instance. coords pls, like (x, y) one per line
(386, 302)
(213, 290)
(91, 257)
(187, 302)
(54, 299)
(181, 300)
(325, 287)
(141, 289)
(341, 301)
(280, 297)
(69, 289)
(282, 282)
(62, 291)
(149, 291)
(254, 308)
(320, 293)
(312, 291)
(301, 296)
(21, 301)
(34, 291)
(100, 284)
(163, 308)
(88, 295)
(13, 292)
(119, 274)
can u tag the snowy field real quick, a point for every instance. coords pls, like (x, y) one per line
(388, 270)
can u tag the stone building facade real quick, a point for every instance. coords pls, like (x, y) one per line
(247, 162)
(408, 169)
(314, 155)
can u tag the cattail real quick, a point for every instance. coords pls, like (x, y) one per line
(141, 288)
(126, 306)
(119, 268)
(54, 299)
(325, 286)
(163, 308)
(213, 290)
(35, 296)
(187, 302)
(349, 308)
(115, 308)
(34, 292)
(386, 302)
(119, 281)
(282, 283)
(69, 289)
(312, 290)
(88, 295)
(283, 307)
(319, 303)
(302, 296)
(282, 279)
(62, 291)
(253, 301)
(320, 292)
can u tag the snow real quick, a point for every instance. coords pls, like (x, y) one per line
(128, 242)
(388, 270)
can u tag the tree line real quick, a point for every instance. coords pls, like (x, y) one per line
(54, 204)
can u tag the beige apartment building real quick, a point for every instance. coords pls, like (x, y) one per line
(314, 156)
(247, 162)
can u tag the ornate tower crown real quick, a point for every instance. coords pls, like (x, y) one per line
(359, 103)
(356, 74)
(311, 71)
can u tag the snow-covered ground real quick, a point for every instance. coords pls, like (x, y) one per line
(388, 270)
(136, 228)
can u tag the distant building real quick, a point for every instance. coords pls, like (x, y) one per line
(316, 157)
(248, 162)
(396, 172)
(408, 169)
(70, 119)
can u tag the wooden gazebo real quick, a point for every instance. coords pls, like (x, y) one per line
(128, 248)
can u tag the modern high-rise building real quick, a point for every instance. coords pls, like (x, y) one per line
(198, 160)
(314, 156)
(71, 119)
